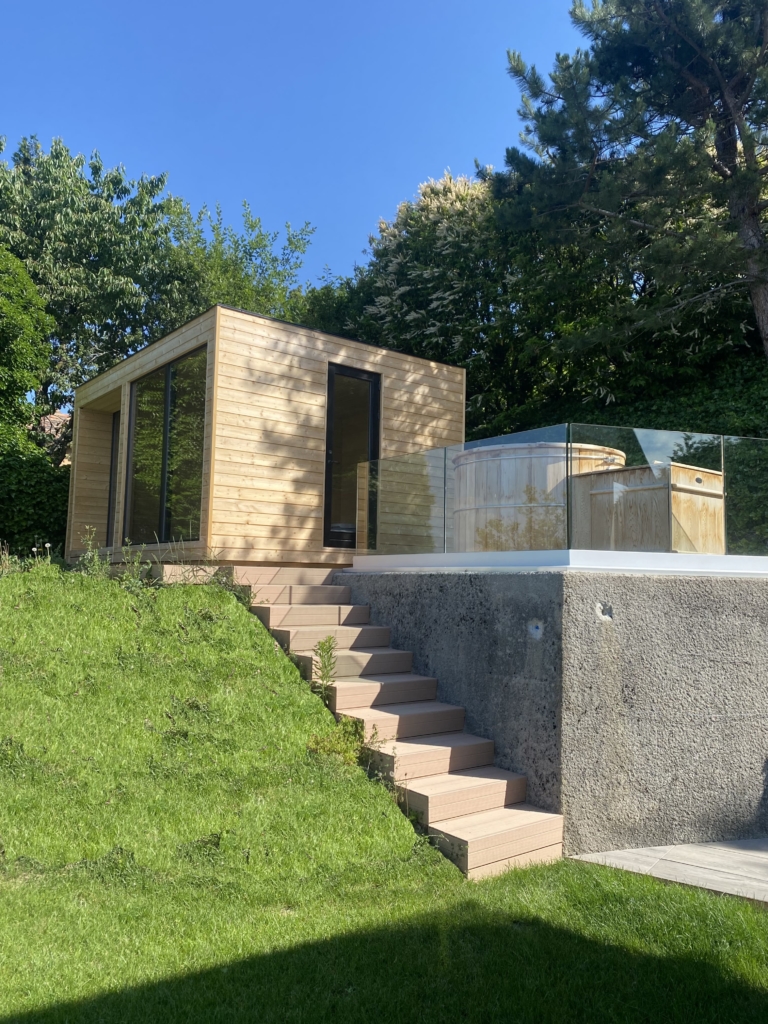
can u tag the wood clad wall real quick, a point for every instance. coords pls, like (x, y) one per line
(270, 424)
(89, 490)
(94, 404)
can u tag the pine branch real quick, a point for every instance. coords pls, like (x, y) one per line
(635, 223)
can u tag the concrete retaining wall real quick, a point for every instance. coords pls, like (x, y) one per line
(636, 705)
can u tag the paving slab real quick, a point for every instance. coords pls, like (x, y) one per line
(738, 868)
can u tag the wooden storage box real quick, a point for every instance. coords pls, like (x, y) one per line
(649, 508)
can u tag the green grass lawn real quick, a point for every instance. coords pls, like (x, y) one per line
(174, 848)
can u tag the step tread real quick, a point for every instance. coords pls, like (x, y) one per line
(464, 780)
(353, 660)
(286, 605)
(265, 575)
(403, 710)
(282, 593)
(415, 718)
(484, 825)
(372, 650)
(282, 616)
(382, 678)
(382, 689)
(457, 793)
(438, 742)
(419, 756)
(305, 637)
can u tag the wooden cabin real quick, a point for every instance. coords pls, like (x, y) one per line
(237, 439)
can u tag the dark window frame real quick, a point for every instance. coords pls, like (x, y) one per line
(374, 439)
(112, 500)
(164, 517)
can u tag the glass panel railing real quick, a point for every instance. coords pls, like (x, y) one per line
(746, 505)
(401, 504)
(645, 490)
(571, 485)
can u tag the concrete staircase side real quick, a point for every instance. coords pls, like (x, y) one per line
(445, 777)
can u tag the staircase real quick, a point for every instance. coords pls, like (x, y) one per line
(445, 777)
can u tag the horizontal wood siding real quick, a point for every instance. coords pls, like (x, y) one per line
(89, 483)
(270, 411)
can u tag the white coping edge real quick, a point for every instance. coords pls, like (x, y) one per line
(647, 562)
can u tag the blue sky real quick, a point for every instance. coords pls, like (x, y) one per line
(328, 112)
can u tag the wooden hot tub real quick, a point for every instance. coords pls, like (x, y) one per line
(513, 497)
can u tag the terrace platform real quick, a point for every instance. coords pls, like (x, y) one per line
(738, 868)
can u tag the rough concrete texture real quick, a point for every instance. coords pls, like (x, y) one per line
(636, 705)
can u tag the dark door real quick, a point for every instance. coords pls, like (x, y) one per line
(352, 437)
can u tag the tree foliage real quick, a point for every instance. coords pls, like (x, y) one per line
(614, 270)
(445, 282)
(648, 149)
(120, 262)
(24, 328)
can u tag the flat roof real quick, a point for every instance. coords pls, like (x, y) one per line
(274, 319)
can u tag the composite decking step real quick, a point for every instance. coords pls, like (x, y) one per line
(398, 721)
(281, 593)
(304, 638)
(402, 760)
(487, 842)
(360, 662)
(259, 575)
(373, 691)
(275, 615)
(454, 794)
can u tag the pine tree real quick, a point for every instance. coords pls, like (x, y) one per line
(649, 150)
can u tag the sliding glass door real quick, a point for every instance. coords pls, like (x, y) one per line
(165, 466)
(352, 436)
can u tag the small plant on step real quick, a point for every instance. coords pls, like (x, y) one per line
(325, 663)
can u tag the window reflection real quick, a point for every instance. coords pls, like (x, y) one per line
(166, 465)
(143, 525)
(185, 447)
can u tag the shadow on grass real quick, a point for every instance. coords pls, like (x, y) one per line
(469, 965)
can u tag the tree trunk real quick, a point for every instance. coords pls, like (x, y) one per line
(758, 293)
(753, 239)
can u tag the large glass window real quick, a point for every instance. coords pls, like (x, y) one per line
(165, 473)
(352, 438)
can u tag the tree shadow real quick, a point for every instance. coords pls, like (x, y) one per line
(466, 965)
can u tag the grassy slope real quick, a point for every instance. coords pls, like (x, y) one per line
(173, 852)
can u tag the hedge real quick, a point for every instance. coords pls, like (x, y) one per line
(33, 494)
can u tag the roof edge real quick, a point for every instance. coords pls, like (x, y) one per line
(273, 319)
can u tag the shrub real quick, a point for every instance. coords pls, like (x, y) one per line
(33, 494)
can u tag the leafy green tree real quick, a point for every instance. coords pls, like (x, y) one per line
(448, 280)
(245, 269)
(648, 150)
(120, 262)
(94, 244)
(24, 327)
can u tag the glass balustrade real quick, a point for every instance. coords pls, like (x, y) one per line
(572, 485)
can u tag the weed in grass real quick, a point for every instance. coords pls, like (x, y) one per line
(344, 742)
(205, 848)
(90, 563)
(117, 865)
